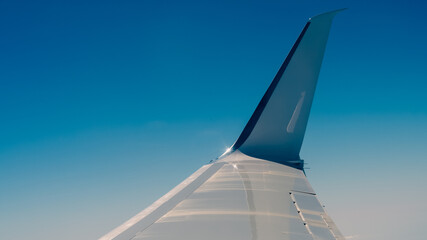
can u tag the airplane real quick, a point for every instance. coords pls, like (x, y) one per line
(258, 188)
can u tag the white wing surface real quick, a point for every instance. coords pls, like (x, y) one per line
(258, 189)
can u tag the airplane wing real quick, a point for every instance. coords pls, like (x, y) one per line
(258, 188)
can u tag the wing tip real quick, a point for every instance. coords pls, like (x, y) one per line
(330, 14)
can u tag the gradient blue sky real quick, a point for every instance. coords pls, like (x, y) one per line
(105, 106)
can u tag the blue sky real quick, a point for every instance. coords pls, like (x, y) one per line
(105, 106)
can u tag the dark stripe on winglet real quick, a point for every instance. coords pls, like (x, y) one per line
(260, 108)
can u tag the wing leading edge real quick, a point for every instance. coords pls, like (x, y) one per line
(258, 190)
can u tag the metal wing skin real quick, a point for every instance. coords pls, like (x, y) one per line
(257, 189)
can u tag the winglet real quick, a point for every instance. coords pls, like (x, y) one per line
(276, 129)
